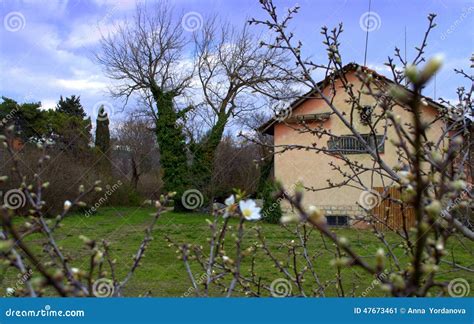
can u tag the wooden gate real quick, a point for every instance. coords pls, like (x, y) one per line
(389, 212)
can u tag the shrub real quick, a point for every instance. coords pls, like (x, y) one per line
(271, 210)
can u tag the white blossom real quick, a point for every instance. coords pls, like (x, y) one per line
(230, 206)
(249, 209)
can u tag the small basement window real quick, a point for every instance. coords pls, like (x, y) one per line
(349, 144)
(337, 220)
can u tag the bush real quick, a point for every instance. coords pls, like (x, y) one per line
(124, 195)
(271, 210)
(66, 173)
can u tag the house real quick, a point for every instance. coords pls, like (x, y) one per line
(342, 205)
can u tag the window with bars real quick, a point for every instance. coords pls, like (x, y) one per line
(349, 144)
(337, 220)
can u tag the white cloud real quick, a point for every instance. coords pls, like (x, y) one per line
(48, 103)
(380, 68)
(121, 4)
(90, 33)
(81, 84)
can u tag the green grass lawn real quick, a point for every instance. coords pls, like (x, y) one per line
(163, 274)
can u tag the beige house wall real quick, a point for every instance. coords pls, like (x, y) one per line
(314, 169)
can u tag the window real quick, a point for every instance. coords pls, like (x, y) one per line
(337, 220)
(349, 144)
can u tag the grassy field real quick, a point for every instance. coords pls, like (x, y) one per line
(163, 274)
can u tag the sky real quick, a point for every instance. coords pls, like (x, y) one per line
(47, 47)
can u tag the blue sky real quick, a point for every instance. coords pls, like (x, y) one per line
(46, 47)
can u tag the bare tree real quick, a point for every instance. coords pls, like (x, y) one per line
(145, 57)
(230, 64)
(144, 54)
(137, 143)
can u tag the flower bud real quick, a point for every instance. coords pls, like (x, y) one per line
(343, 241)
(81, 204)
(5, 246)
(340, 262)
(399, 93)
(434, 208)
(85, 239)
(431, 68)
(289, 218)
(67, 205)
(380, 257)
(458, 185)
(412, 73)
(98, 257)
(227, 260)
(316, 215)
(397, 281)
(437, 157)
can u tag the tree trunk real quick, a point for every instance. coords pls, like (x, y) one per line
(203, 164)
(172, 146)
(135, 174)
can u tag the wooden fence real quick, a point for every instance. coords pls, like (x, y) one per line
(389, 212)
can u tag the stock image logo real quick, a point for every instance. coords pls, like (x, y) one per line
(369, 199)
(14, 21)
(103, 287)
(103, 110)
(281, 110)
(459, 287)
(280, 287)
(370, 21)
(103, 199)
(192, 21)
(14, 199)
(192, 199)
